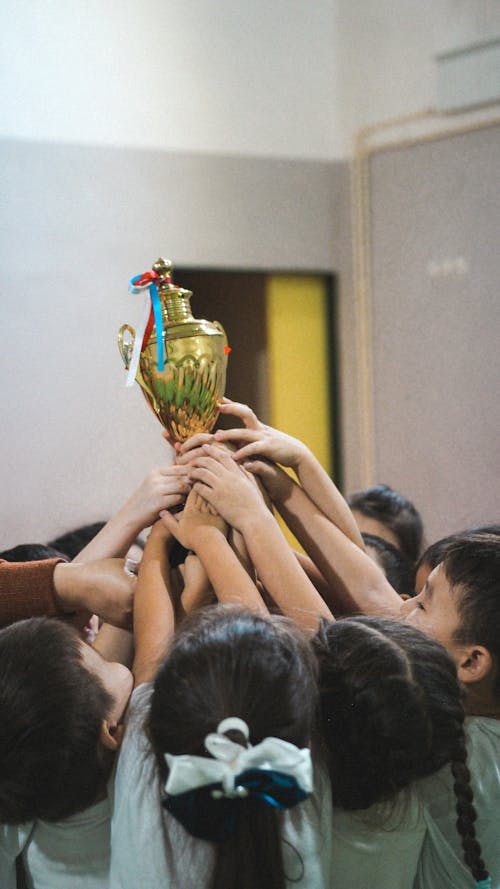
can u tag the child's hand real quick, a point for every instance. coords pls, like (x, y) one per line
(196, 515)
(226, 486)
(161, 489)
(160, 534)
(173, 444)
(242, 411)
(192, 448)
(264, 442)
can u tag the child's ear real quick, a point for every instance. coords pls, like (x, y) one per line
(111, 735)
(475, 663)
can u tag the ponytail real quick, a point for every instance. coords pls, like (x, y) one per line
(230, 722)
(252, 858)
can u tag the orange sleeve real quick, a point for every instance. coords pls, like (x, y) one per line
(27, 590)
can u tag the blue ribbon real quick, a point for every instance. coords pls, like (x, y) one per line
(155, 302)
(215, 819)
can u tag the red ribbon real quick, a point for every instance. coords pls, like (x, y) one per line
(141, 281)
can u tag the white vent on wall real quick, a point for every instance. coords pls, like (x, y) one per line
(468, 77)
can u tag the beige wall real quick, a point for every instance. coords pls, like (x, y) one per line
(77, 222)
(433, 241)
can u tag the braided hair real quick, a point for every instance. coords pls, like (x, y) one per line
(471, 564)
(466, 813)
(391, 711)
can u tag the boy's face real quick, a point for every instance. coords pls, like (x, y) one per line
(369, 525)
(434, 611)
(116, 679)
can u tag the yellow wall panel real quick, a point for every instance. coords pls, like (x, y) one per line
(297, 338)
(298, 369)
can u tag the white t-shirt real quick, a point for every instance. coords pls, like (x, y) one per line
(70, 854)
(13, 838)
(441, 863)
(379, 847)
(150, 849)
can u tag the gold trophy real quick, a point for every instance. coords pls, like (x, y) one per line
(179, 361)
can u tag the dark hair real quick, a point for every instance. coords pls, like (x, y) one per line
(31, 552)
(390, 706)
(394, 511)
(51, 710)
(396, 566)
(74, 541)
(434, 553)
(229, 662)
(391, 711)
(472, 567)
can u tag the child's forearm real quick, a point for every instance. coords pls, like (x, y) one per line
(114, 644)
(314, 574)
(355, 583)
(280, 573)
(161, 489)
(324, 493)
(154, 612)
(227, 575)
(114, 539)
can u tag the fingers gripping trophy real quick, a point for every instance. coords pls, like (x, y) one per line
(179, 361)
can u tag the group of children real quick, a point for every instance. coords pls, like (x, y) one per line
(258, 741)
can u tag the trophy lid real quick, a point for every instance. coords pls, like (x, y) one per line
(176, 303)
(164, 270)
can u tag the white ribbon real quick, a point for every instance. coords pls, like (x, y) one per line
(139, 335)
(230, 759)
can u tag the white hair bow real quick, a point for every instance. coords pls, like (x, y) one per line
(230, 760)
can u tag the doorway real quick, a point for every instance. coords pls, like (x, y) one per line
(283, 362)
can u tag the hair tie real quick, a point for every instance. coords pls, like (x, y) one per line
(483, 884)
(206, 793)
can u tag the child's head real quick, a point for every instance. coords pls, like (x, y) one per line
(434, 554)
(59, 702)
(382, 511)
(396, 566)
(72, 542)
(471, 565)
(391, 711)
(223, 663)
(459, 606)
(390, 704)
(31, 552)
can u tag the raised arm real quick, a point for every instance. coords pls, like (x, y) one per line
(161, 489)
(355, 583)
(226, 487)
(200, 528)
(154, 608)
(259, 440)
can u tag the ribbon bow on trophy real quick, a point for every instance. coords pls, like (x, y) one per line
(152, 317)
(206, 794)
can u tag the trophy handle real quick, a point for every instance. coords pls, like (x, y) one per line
(126, 348)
